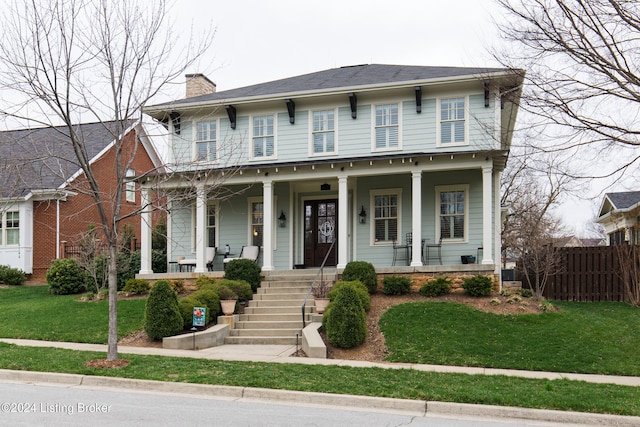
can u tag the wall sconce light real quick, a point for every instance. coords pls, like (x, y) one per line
(363, 216)
(282, 219)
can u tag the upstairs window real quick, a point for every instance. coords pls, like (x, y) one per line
(323, 132)
(452, 202)
(206, 142)
(263, 137)
(10, 228)
(386, 127)
(130, 186)
(452, 121)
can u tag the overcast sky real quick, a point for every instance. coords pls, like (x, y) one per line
(263, 40)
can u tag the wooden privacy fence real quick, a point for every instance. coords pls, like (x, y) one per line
(587, 274)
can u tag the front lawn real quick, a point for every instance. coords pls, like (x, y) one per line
(597, 338)
(30, 312)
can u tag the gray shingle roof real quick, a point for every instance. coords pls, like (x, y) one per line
(625, 199)
(336, 78)
(43, 158)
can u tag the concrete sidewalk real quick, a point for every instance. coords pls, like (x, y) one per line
(283, 354)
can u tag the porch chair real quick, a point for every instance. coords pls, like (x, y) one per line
(247, 252)
(190, 263)
(430, 248)
(406, 248)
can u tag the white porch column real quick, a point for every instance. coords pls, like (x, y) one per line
(487, 218)
(201, 227)
(145, 233)
(343, 221)
(497, 220)
(416, 219)
(267, 229)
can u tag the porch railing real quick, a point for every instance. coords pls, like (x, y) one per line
(320, 274)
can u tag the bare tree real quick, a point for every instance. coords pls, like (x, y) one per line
(628, 269)
(583, 77)
(67, 61)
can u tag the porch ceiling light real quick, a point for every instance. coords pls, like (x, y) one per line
(282, 219)
(363, 216)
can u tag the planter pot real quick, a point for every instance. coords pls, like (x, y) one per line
(228, 306)
(321, 304)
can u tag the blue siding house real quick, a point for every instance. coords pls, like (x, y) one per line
(343, 163)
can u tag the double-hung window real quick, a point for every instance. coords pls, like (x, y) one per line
(263, 137)
(211, 225)
(257, 222)
(10, 228)
(387, 127)
(452, 120)
(452, 212)
(130, 186)
(323, 133)
(206, 141)
(386, 215)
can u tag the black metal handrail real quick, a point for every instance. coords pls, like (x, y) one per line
(315, 279)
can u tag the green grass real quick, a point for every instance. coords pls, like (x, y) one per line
(32, 313)
(394, 383)
(598, 338)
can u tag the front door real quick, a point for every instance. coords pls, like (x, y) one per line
(320, 231)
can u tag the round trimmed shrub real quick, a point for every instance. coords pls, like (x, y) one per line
(12, 276)
(478, 286)
(362, 271)
(65, 277)
(204, 282)
(137, 287)
(185, 305)
(243, 269)
(361, 291)
(436, 287)
(162, 317)
(346, 323)
(240, 287)
(396, 285)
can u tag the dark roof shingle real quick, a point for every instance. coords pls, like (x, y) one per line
(625, 199)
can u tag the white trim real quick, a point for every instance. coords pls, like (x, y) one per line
(195, 140)
(274, 156)
(374, 149)
(467, 115)
(372, 225)
(446, 188)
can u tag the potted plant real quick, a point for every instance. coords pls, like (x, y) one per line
(320, 291)
(228, 300)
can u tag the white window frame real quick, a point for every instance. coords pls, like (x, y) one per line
(375, 127)
(453, 188)
(372, 209)
(130, 186)
(274, 117)
(210, 142)
(313, 132)
(439, 121)
(215, 205)
(4, 230)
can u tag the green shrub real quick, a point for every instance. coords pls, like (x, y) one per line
(240, 287)
(478, 286)
(526, 293)
(162, 317)
(436, 287)
(177, 286)
(396, 285)
(361, 291)
(12, 276)
(65, 277)
(185, 305)
(346, 323)
(243, 269)
(362, 271)
(204, 281)
(137, 287)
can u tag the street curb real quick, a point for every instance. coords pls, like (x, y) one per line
(419, 408)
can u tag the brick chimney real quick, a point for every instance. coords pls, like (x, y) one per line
(198, 84)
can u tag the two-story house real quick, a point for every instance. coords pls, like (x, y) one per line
(44, 197)
(358, 155)
(620, 215)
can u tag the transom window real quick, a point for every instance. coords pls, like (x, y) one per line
(263, 136)
(10, 228)
(387, 127)
(206, 141)
(452, 211)
(386, 214)
(323, 133)
(452, 120)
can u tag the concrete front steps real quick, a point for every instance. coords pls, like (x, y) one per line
(274, 316)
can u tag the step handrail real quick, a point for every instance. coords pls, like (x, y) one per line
(315, 279)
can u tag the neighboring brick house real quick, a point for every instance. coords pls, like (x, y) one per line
(43, 196)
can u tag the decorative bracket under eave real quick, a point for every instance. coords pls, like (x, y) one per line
(231, 112)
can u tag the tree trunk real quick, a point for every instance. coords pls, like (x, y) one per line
(112, 348)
